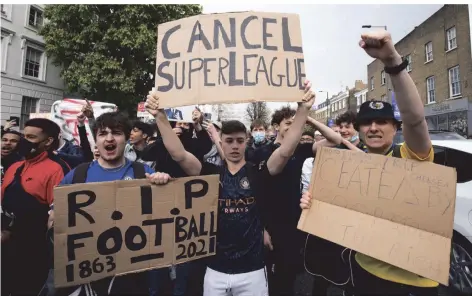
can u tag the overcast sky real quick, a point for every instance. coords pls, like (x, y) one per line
(333, 59)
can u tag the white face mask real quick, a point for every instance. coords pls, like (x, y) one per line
(259, 137)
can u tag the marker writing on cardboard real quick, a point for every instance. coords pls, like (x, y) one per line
(134, 238)
(277, 72)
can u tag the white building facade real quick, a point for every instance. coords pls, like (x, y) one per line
(30, 83)
(361, 97)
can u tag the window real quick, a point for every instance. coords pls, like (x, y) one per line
(431, 89)
(28, 106)
(371, 83)
(409, 67)
(454, 82)
(35, 17)
(33, 62)
(451, 38)
(382, 77)
(6, 11)
(428, 48)
(461, 162)
(383, 98)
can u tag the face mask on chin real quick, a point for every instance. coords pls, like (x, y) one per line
(28, 149)
(354, 138)
(259, 137)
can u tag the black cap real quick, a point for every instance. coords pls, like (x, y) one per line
(372, 110)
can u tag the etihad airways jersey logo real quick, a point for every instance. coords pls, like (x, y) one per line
(230, 206)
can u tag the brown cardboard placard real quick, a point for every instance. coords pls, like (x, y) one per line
(396, 210)
(230, 58)
(112, 228)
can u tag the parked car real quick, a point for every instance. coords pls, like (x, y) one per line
(433, 134)
(458, 154)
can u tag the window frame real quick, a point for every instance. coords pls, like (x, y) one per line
(36, 107)
(8, 11)
(383, 77)
(428, 91)
(27, 24)
(26, 42)
(409, 67)
(426, 52)
(372, 81)
(451, 95)
(451, 29)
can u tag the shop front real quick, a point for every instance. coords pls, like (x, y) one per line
(451, 115)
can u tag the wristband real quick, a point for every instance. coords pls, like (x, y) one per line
(396, 69)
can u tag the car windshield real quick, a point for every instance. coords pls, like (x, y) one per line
(434, 135)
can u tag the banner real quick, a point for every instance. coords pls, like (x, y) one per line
(230, 58)
(396, 210)
(173, 114)
(396, 111)
(108, 228)
(65, 112)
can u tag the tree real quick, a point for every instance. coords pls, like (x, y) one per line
(108, 52)
(257, 110)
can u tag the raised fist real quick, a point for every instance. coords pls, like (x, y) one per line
(379, 45)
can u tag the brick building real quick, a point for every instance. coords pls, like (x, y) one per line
(439, 51)
(341, 102)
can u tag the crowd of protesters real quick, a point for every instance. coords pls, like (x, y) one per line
(259, 251)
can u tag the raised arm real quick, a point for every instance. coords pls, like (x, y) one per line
(378, 44)
(281, 155)
(332, 138)
(215, 137)
(188, 162)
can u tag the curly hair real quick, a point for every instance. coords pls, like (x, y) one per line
(281, 114)
(347, 117)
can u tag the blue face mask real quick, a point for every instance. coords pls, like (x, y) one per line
(259, 137)
(354, 138)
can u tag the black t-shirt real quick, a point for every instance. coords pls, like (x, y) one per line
(280, 194)
(240, 245)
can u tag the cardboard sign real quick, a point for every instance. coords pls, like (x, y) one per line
(395, 210)
(108, 228)
(65, 112)
(230, 58)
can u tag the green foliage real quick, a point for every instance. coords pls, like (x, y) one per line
(108, 52)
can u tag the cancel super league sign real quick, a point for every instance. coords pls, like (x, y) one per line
(230, 58)
(109, 228)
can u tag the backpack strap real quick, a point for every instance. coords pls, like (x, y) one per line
(80, 173)
(139, 171)
(396, 151)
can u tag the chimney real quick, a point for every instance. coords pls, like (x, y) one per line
(359, 85)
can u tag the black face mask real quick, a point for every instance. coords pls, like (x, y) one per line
(28, 149)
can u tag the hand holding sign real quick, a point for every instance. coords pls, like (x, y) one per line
(309, 97)
(158, 178)
(152, 103)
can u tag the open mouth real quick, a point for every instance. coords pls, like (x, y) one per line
(110, 148)
(374, 137)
